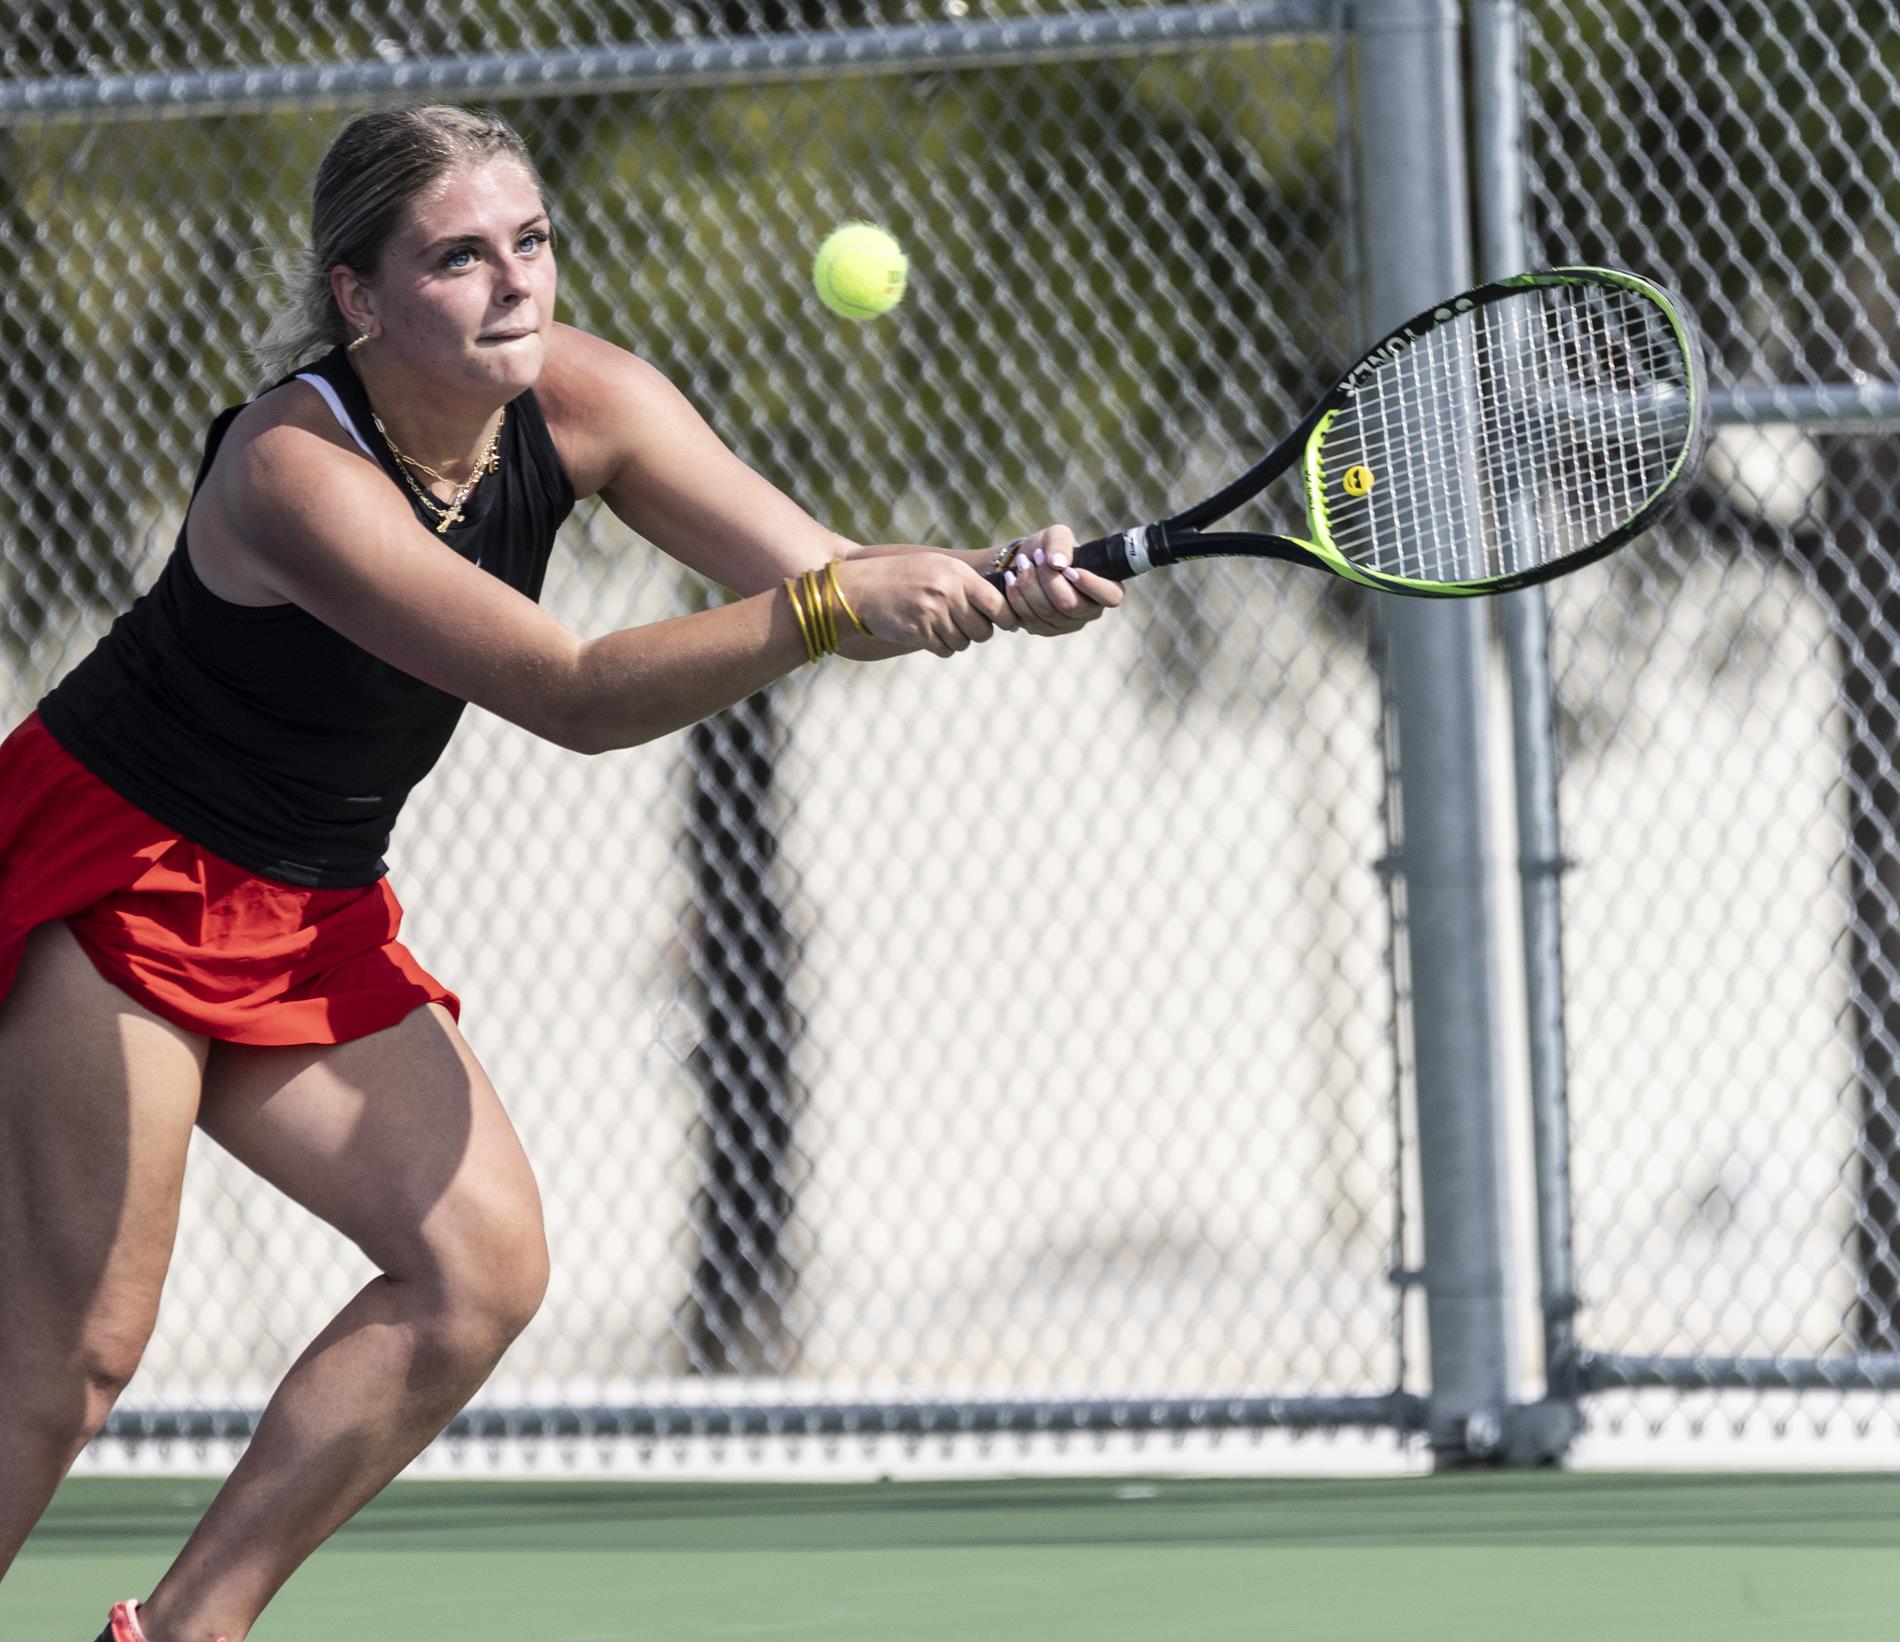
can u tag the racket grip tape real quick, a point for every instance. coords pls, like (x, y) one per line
(1109, 557)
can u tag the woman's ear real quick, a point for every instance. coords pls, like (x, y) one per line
(353, 300)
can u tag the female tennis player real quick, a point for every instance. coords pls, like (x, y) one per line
(195, 925)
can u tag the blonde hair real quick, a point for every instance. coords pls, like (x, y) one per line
(374, 170)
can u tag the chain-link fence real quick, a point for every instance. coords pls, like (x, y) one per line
(886, 1060)
(1726, 702)
(813, 1019)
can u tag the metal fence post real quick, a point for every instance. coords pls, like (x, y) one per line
(1415, 202)
(1524, 618)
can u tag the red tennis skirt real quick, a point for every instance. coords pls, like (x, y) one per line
(205, 944)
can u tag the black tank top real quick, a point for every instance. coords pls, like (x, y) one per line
(266, 736)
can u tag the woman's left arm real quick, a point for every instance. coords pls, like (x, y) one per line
(635, 440)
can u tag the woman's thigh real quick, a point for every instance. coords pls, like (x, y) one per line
(400, 1142)
(97, 1101)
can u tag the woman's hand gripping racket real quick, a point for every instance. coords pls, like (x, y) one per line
(1504, 437)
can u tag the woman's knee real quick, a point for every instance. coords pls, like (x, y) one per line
(517, 1282)
(107, 1359)
(488, 1260)
(71, 1389)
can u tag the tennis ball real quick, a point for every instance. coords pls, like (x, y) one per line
(859, 271)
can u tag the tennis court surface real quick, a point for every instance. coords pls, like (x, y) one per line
(1558, 1558)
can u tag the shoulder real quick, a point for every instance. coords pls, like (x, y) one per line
(286, 436)
(596, 397)
(284, 463)
(294, 416)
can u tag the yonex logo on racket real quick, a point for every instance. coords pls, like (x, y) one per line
(1393, 346)
(1387, 351)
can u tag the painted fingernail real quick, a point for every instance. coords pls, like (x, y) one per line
(1022, 562)
(1038, 555)
(1009, 577)
(1059, 560)
(1073, 575)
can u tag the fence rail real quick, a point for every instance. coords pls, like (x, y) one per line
(695, 65)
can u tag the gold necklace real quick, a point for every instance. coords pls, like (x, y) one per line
(450, 512)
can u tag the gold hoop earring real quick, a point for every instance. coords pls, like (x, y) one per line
(357, 343)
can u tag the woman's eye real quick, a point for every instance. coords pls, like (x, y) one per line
(463, 255)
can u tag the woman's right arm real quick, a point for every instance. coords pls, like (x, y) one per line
(328, 532)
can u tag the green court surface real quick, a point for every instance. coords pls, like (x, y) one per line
(1528, 1558)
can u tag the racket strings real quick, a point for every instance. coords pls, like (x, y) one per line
(1510, 438)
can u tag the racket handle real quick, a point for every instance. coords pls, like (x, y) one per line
(1108, 556)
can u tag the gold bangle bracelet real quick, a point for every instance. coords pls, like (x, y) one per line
(816, 606)
(815, 612)
(837, 590)
(827, 613)
(831, 609)
(804, 618)
(804, 621)
(820, 617)
(1003, 555)
(817, 617)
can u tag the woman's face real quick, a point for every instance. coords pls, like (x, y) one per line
(465, 292)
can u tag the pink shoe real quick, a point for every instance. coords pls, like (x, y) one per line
(122, 1625)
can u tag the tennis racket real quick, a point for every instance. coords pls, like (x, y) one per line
(1504, 437)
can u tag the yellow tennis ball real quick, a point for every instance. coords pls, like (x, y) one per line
(860, 271)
